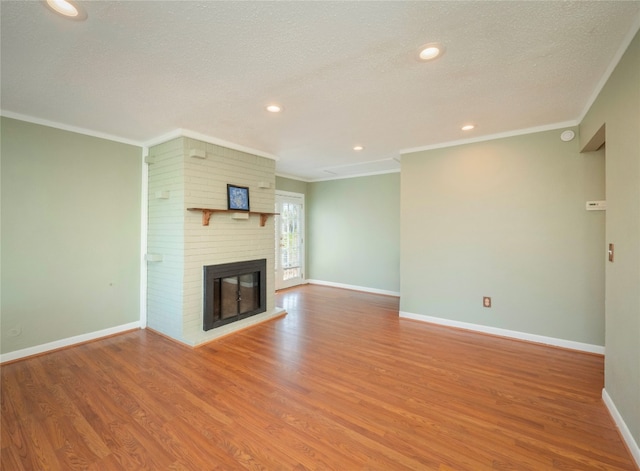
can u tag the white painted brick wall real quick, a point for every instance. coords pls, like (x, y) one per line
(166, 237)
(175, 296)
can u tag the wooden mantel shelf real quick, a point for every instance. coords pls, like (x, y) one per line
(207, 212)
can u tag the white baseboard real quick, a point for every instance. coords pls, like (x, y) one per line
(47, 347)
(622, 426)
(570, 344)
(354, 287)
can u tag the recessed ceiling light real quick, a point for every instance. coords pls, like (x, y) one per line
(468, 127)
(274, 108)
(68, 9)
(430, 51)
(357, 148)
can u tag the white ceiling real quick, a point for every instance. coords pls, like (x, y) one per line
(345, 72)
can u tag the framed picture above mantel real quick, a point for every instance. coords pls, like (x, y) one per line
(237, 198)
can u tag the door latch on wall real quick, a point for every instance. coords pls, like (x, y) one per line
(611, 252)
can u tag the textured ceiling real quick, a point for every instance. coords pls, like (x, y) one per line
(345, 72)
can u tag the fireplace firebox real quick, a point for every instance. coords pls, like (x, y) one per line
(234, 291)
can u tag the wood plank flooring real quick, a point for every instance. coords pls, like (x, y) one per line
(340, 383)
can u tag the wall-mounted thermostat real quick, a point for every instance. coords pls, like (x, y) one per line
(596, 205)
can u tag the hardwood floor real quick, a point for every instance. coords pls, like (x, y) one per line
(340, 383)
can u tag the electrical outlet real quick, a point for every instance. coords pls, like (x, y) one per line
(486, 301)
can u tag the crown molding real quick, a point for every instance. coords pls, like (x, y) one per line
(612, 66)
(492, 137)
(66, 127)
(355, 175)
(177, 133)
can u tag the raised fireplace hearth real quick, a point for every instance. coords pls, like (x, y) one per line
(234, 291)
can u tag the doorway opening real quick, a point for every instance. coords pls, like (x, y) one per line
(290, 254)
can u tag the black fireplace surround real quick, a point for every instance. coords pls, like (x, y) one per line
(234, 291)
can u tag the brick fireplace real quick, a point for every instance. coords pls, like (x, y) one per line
(183, 173)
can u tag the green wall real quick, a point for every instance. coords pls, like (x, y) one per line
(70, 234)
(506, 219)
(289, 184)
(353, 233)
(618, 107)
